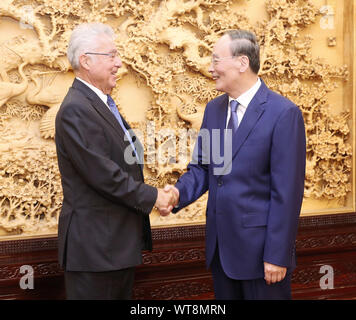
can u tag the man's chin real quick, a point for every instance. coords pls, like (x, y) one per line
(219, 88)
(218, 85)
(112, 86)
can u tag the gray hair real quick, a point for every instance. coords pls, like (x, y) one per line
(84, 38)
(245, 43)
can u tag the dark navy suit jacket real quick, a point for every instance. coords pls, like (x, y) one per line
(254, 203)
(104, 221)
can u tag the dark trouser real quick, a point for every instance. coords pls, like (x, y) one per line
(110, 285)
(226, 288)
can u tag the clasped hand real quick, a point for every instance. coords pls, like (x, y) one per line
(167, 199)
(274, 273)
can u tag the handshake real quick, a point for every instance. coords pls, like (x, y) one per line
(167, 199)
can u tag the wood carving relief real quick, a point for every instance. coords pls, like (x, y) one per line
(162, 91)
(176, 268)
(173, 257)
(42, 269)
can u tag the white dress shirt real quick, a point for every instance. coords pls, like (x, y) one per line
(243, 101)
(100, 94)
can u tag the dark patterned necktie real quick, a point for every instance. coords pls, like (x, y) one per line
(233, 122)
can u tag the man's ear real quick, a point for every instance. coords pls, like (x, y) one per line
(84, 61)
(245, 63)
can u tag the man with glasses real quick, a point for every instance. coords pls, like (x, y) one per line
(253, 208)
(104, 221)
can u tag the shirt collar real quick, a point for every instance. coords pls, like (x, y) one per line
(100, 94)
(245, 99)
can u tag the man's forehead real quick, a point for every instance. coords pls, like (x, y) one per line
(222, 44)
(105, 41)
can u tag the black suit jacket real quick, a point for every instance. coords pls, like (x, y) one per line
(104, 221)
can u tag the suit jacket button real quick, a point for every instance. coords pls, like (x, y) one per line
(133, 154)
(133, 138)
(220, 183)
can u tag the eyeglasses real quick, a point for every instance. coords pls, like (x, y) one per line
(215, 60)
(111, 55)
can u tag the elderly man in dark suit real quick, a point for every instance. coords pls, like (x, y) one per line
(255, 195)
(104, 222)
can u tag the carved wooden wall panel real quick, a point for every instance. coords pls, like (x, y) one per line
(175, 269)
(307, 50)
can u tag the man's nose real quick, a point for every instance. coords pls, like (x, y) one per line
(118, 62)
(211, 68)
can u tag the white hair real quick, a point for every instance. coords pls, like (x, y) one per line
(84, 38)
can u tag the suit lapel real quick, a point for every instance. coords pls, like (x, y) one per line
(222, 112)
(104, 111)
(253, 112)
(221, 116)
(99, 106)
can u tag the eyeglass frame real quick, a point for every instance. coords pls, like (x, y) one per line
(215, 60)
(112, 55)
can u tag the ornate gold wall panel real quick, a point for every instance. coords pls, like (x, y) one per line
(307, 54)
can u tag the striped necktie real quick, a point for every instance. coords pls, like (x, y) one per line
(115, 111)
